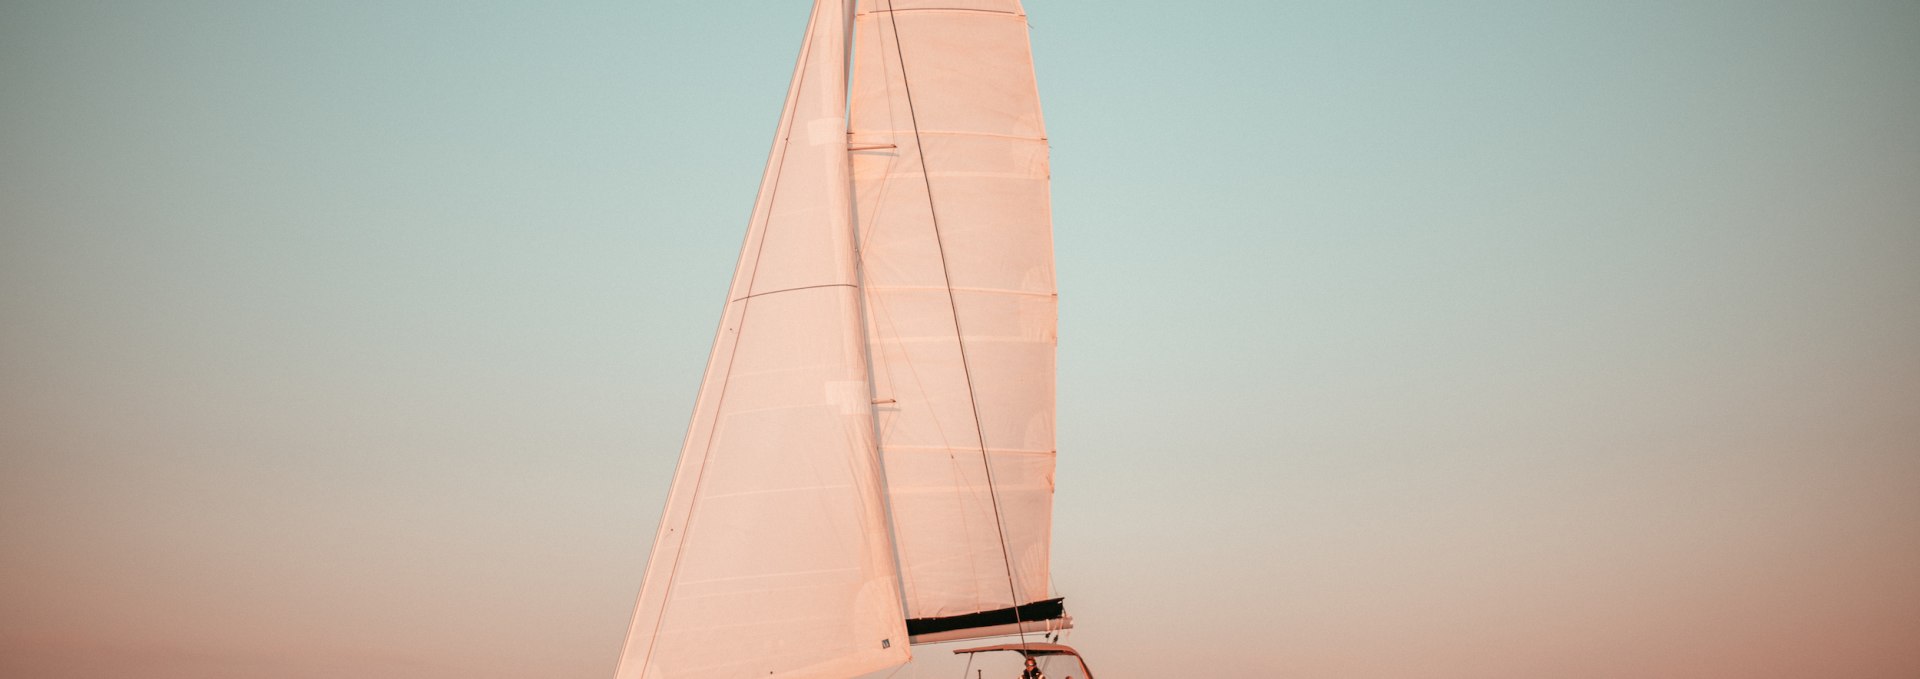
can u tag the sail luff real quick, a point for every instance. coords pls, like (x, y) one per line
(771, 559)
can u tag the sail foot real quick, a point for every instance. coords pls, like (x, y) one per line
(1038, 616)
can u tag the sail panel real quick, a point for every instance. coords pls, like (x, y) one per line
(950, 188)
(971, 66)
(772, 558)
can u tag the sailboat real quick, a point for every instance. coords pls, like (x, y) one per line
(870, 460)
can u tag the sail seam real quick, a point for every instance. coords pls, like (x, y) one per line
(743, 298)
(958, 133)
(941, 449)
(989, 175)
(988, 291)
(904, 341)
(768, 576)
(972, 10)
(777, 491)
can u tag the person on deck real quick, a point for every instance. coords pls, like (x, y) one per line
(1032, 671)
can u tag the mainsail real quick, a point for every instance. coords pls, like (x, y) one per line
(952, 211)
(870, 460)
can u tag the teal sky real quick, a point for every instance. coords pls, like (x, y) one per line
(1450, 340)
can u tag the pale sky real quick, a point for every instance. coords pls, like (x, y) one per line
(1410, 340)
